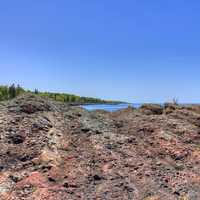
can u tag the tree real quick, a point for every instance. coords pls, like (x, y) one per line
(73, 98)
(55, 96)
(12, 91)
(175, 101)
(36, 91)
(19, 90)
(66, 98)
(1, 96)
(4, 92)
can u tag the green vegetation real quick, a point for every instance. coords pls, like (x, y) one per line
(10, 92)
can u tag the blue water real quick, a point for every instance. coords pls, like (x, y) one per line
(109, 107)
(116, 107)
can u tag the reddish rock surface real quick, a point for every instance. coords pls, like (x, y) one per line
(51, 151)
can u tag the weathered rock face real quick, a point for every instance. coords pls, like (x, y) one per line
(56, 152)
(29, 104)
(151, 109)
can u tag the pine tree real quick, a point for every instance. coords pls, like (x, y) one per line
(1, 96)
(12, 91)
(36, 91)
(4, 92)
(19, 90)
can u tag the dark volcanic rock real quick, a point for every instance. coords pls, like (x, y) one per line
(52, 151)
(30, 104)
(151, 109)
(17, 139)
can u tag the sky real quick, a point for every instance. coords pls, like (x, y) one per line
(131, 50)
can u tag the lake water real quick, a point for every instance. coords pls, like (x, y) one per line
(116, 107)
(109, 107)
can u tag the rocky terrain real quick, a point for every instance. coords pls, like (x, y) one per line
(52, 151)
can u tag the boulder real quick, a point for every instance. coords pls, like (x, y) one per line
(151, 109)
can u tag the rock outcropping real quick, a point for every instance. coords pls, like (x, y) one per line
(51, 151)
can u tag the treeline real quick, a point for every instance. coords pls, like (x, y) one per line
(69, 98)
(9, 92)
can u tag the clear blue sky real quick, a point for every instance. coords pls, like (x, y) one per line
(133, 50)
